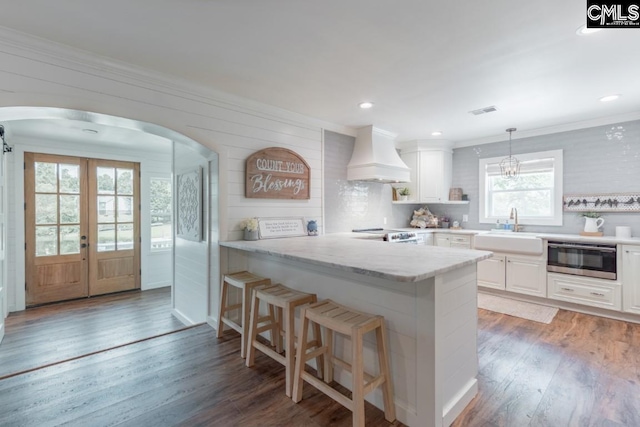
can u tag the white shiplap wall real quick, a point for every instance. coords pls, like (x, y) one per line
(38, 73)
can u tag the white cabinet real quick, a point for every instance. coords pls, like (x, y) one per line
(491, 272)
(631, 278)
(514, 273)
(431, 164)
(452, 241)
(586, 291)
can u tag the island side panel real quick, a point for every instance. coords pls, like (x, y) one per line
(396, 301)
(447, 330)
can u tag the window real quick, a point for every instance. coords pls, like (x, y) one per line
(536, 193)
(161, 221)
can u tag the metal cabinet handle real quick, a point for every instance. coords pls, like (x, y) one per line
(597, 294)
(567, 289)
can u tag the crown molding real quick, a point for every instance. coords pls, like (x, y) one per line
(602, 121)
(36, 48)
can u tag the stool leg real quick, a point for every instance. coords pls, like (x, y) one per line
(252, 332)
(387, 386)
(223, 305)
(289, 335)
(279, 328)
(300, 357)
(328, 357)
(246, 301)
(357, 378)
(320, 360)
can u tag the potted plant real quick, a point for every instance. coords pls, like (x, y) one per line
(250, 227)
(403, 193)
(592, 221)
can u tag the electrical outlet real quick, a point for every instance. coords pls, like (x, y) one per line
(384, 221)
(465, 218)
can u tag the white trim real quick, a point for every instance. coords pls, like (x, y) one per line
(557, 185)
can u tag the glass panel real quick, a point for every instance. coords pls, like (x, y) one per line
(125, 181)
(161, 235)
(46, 241)
(106, 209)
(69, 209)
(125, 236)
(69, 179)
(106, 180)
(106, 237)
(69, 239)
(46, 209)
(125, 209)
(46, 177)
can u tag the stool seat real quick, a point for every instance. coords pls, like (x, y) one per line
(353, 324)
(284, 301)
(246, 282)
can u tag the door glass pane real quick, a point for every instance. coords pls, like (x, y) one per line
(106, 237)
(46, 209)
(46, 177)
(69, 209)
(106, 180)
(69, 179)
(69, 239)
(125, 209)
(106, 209)
(125, 181)
(125, 236)
(46, 240)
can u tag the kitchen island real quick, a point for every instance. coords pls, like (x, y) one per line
(426, 294)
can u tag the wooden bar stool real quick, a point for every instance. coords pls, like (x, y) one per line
(353, 324)
(246, 282)
(285, 301)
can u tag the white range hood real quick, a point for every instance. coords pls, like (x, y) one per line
(375, 158)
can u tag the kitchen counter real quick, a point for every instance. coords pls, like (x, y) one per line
(353, 253)
(427, 295)
(605, 240)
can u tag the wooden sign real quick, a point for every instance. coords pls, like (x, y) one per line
(277, 173)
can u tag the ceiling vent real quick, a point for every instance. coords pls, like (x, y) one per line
(484, 110)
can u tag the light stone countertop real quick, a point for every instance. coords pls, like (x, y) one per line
(605, 240)
(350, 252)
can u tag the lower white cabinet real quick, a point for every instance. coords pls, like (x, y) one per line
(452, 240)
(631, 278)
(586, 291)
(515, 273)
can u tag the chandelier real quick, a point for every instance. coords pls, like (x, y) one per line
(510, 166)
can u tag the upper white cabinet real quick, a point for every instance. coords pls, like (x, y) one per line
(430, 163)
(631, 278)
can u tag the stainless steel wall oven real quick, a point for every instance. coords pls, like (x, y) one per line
(583, 259)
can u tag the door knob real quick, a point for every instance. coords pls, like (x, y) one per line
(84, 245)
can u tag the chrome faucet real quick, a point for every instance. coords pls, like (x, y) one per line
(514, 215)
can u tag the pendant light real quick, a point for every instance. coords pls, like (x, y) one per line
(510, 166)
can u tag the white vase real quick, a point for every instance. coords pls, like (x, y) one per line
(250, 235)
(591, 225)
(403, 198)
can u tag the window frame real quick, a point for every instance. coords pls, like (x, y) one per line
(168, 178)
(557, 190)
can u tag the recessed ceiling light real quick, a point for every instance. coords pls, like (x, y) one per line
(609, 98)
(89, 130)
(436, 133)
(583, 30)
(365, 105)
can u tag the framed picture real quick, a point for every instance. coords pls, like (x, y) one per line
(189, 205)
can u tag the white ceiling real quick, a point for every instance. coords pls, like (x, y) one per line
(424, 63)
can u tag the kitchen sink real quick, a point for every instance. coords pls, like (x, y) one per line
(521, 243)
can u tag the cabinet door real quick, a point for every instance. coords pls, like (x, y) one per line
(631, 278)
(442, 240)
(491, 272)
(432, 177)
(526, 276)
(411, 160)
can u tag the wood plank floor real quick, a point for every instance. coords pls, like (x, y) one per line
(56, 332)
(580, 370)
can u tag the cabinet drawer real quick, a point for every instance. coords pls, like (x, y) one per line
(596, 293)
(461, 239)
